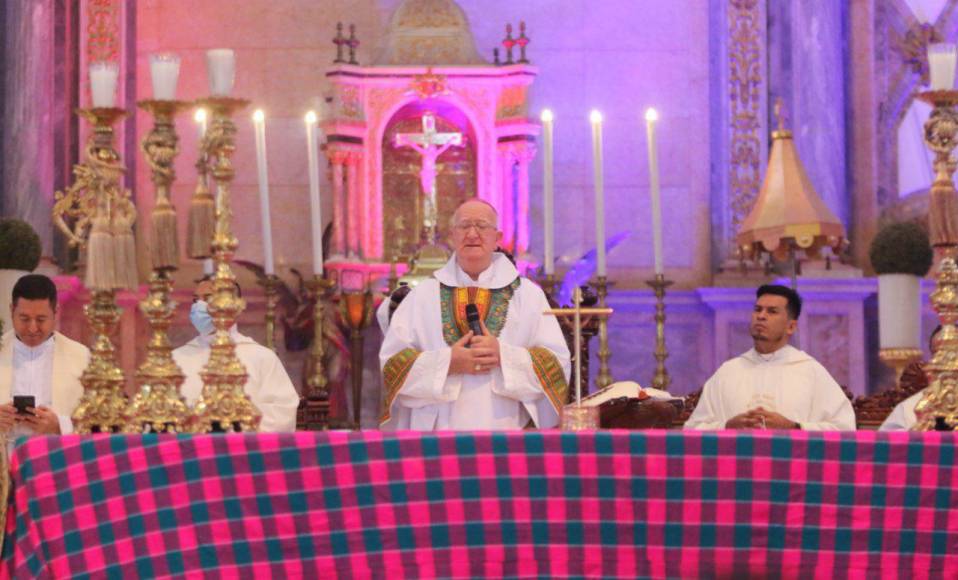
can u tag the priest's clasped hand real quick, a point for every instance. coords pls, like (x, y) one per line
(760, 418)
(475, 355)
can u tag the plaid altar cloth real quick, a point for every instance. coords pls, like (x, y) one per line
(548, 504)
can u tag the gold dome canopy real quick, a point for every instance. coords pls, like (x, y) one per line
(788, 209)
(428, 32)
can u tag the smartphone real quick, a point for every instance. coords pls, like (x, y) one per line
(22, 402)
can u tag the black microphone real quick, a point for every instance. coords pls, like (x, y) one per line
(472, 317)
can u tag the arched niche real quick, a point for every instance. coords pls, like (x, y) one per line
(402, 194)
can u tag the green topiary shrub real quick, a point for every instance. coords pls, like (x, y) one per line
(901, 248)
(20, 246)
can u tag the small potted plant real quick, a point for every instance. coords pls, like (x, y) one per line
(901, 256)
(20, 251)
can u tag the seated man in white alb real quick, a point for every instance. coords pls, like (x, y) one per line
(773, 385)
(268, 385)
(37, 361)
(440, 374)
(902, 417)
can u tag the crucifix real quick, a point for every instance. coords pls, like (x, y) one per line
(576, 417)
(430, 144)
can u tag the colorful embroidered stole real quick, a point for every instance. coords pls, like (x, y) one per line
(394, 375)
(551, 376)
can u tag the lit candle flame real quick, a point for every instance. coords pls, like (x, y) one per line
(595, 116)
(651, 115)
(546, 116)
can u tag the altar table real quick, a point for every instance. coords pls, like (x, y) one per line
(547, 504)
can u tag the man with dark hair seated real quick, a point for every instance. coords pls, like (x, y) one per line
(268, 385)
(39, 368)
(773, 385)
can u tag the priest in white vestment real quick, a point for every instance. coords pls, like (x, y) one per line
(268, 386)
(439, 374)
(37, 361)
(773, 385)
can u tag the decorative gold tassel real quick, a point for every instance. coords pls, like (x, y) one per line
(199, 235)
(101, 259)
(124, 245)
(166, 249)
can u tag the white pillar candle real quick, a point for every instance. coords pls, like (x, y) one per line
(221, 71)
(315, 217)
(165, 72)
(596, 118)
(548, 199)
(259, 125)
(103, 76)
(208, 267)
(651, 116)
(942, 57)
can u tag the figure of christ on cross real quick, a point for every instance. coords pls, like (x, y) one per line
(430, 144)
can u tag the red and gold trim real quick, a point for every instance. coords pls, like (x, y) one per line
(550, 375)
(394, 375)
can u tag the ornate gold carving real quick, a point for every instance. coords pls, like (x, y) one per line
(429, 84)
(513, 102)
(913, 47)
(350, 104)
(223, 403)
(745, 81)
(103, 30)
(103, 404)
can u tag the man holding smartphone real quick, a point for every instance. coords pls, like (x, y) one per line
(39, 368)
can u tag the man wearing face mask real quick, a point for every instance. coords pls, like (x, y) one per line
(38, 364)
(268, 385)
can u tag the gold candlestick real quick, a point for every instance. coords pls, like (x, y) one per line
(101, 216)
(938, 408)
(314, 406)
(223, 405)
(271, 288)
(158, 406)
(604, 378)
(357, 311)
(898, 360)
(661, 379)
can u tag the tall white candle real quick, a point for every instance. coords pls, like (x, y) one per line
(315, 217)
(651, 116)
(259, 125)
(208, 267)
(548, 193)
(942, 57)
(103, 77)
(164, 72)
(220, 71)
(596, 118)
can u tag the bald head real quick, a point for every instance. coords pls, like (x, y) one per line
(476, 206)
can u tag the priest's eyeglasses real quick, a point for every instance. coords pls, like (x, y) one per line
(483, 227)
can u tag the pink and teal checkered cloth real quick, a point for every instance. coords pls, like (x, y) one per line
(525, 504)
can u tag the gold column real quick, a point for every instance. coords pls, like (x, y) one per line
(223, 404)
(314, 407)
(271, 288)
(938, 408)
(97, 205)
(158, 405)
(661, 379)
(604, 378)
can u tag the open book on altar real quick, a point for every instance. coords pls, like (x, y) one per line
(629, 389)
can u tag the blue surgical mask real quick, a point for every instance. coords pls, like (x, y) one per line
(201, 319)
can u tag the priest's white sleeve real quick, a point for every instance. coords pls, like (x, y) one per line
(276, 398)
(832, 411)
(414, 377)
(708, 412)
(536, 375)
(902, 417)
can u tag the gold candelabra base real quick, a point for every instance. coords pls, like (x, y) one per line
(103, 404)
(661, 379)
(578, 418)
(604, 378)
(314, 406)
(158, 406)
